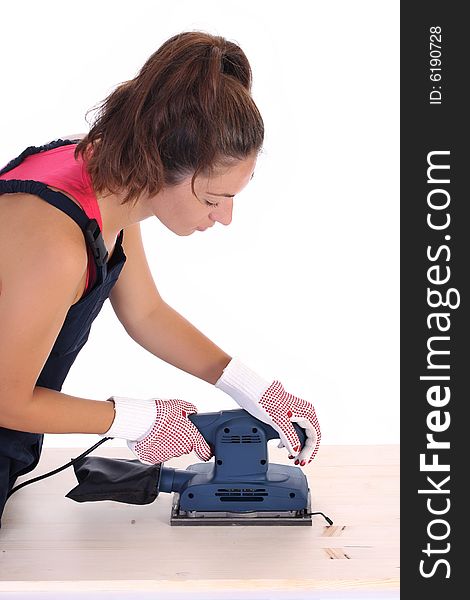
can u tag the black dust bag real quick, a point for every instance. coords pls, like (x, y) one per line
(117, 479)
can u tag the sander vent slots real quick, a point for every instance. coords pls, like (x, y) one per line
(243, 439)
(241, 494)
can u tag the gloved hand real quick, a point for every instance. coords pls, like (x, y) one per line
(270, 403)
(157, 430)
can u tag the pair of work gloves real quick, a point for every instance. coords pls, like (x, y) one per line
(157, 430)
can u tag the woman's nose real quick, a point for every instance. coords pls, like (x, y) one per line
(223, 212)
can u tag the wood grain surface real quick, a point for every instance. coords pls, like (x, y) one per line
(50, 543)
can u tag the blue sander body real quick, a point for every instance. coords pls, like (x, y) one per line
(240, 486)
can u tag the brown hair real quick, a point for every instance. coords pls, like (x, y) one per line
(187, 111)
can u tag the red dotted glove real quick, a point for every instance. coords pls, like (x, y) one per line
(168, 431)
(285, 409)
(271, 404)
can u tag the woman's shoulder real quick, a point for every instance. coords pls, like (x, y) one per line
(36, 235)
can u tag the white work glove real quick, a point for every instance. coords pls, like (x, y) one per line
(157, 430)
(269, 402)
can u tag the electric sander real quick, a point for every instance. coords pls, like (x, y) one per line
(239, 487)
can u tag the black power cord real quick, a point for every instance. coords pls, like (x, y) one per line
(18, 487)
(327, 519)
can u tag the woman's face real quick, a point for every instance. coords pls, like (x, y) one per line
(179, 210)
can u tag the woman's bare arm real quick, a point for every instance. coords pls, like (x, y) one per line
(154, 324)
(41, 275)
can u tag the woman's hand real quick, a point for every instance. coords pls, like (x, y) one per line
(157, 430)
(270, 403)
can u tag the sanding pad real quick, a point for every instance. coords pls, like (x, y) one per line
(194, 517)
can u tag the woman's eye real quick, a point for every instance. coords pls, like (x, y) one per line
(214, 204)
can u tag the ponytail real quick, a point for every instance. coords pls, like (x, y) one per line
(187, 111)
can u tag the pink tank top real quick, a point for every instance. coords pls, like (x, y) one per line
(59, 169)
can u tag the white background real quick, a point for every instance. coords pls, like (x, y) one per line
(303, 285)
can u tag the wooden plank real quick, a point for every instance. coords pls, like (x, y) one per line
(357, 588)
(54, 543)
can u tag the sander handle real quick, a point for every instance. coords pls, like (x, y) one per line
(209, 423)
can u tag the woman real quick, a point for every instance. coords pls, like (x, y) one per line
(178, 142)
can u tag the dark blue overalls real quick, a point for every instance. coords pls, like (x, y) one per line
(20, 451)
